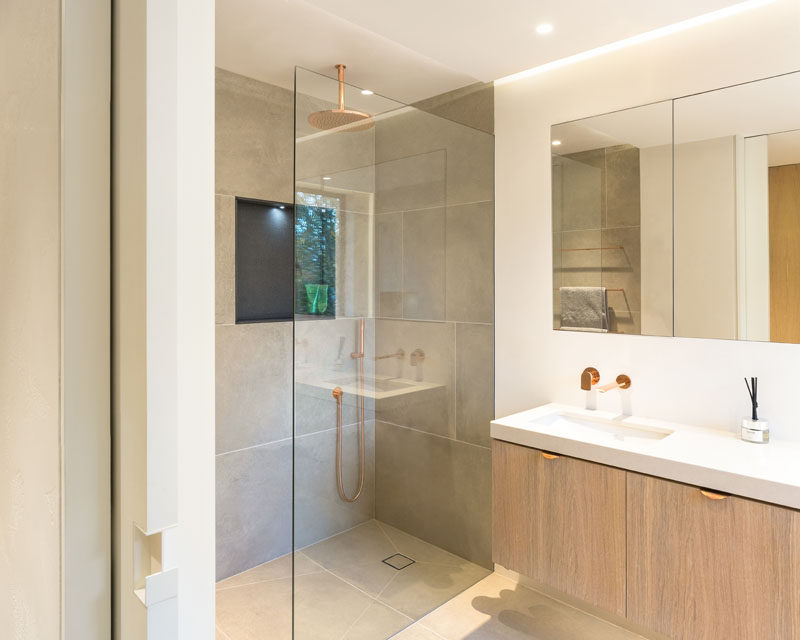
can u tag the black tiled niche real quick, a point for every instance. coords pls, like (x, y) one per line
(264, 260)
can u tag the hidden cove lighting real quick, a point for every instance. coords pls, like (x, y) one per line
(637, 39)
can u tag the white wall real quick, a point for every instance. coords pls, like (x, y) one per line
(691, 380)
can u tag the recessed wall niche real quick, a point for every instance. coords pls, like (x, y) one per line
(264, 260)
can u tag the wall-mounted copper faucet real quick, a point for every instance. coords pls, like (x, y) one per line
(622, 382)
(589, 378)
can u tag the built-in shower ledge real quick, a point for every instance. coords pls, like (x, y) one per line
(708, 458)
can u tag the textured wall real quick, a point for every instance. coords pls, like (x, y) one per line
(30, 502)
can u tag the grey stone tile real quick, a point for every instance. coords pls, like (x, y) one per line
(470, 262)
(583, 190)
(326, 607)
(319, 511)
(622, 268)
(424, 264)
(581, 261)
(254, 138)
(357, 556)
(429, 410)
(421, 587)
(253, 507)
(415, 181)
(353, 264)
(225, 259)
(376, 623)
(389, 265)
(417, 632)
(256, 611)
(500, 609)
(253, 384)
(472, 105)
(470, 152)
(277, 569)
(417, 549)
(436, 489)
(623, 201)
(474, 382)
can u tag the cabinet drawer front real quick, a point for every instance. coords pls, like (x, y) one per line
(561, 521)
(704, 567)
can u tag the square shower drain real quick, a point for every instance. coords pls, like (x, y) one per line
(398, 561)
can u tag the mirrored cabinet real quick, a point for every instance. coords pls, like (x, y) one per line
(679, 218)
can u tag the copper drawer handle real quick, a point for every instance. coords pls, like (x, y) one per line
(549, 456)
(713, 495)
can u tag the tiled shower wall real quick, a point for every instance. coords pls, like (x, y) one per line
(254, 151)
(434, 276)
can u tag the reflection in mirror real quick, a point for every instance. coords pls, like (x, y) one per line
(737, 212)
(612, 222)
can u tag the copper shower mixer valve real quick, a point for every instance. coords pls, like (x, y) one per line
(591, 377)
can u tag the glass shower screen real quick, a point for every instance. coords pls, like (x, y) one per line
(393, 270)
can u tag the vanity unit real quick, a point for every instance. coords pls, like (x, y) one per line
(686, 532)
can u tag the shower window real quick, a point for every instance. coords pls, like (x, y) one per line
(316, 229)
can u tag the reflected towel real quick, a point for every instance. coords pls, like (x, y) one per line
(584, 308)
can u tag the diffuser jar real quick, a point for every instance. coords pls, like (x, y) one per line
(756, 431)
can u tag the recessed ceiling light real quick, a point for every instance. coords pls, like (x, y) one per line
(283, 207)
(544, 28)
(326, 177)
(556, 143)
(637, 39)
(366, 92)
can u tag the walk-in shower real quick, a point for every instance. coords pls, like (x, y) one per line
(393, 385)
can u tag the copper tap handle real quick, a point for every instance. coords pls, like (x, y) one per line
(589, 378)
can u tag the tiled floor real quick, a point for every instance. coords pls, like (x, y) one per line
(497, 608)
(343, 589)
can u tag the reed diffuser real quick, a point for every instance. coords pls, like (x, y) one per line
(754, 429)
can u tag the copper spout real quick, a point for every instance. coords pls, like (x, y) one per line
(589, 378)
(622, 382)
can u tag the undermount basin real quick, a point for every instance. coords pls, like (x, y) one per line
(576, 424)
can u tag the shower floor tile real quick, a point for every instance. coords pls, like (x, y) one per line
(343, 590)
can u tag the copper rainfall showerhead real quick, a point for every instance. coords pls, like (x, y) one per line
(348, 119)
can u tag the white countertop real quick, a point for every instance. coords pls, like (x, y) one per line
(693, 455)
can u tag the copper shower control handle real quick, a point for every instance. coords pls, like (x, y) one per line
(622, 382)
(589, 378)
(549, 456)
(713, 495)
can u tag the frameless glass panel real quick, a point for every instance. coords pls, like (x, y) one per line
(393, 376)
(612, 222)
(737, 206)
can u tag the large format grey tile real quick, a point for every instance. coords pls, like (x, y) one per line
(417, 632)
(582, 194)
(424, 264)
(277, 569)
(326, 607)
(497, 608)
(430, 410)
(474, 382)
(415, 181)
(436, 489)
(353, 264)
(389, 265)
(258, 611)
(357, 556)
(376, 623)
(421, 587)
(622, 268)
(254, 138)
(253, 384)
(472, 105)
(623, 202)
(225, 268)
(253, 507)
(470, 262)
(319, 511)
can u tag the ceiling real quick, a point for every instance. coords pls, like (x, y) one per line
(419, 48)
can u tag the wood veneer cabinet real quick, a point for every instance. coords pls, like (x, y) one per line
(560, 521)
(706, 569)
